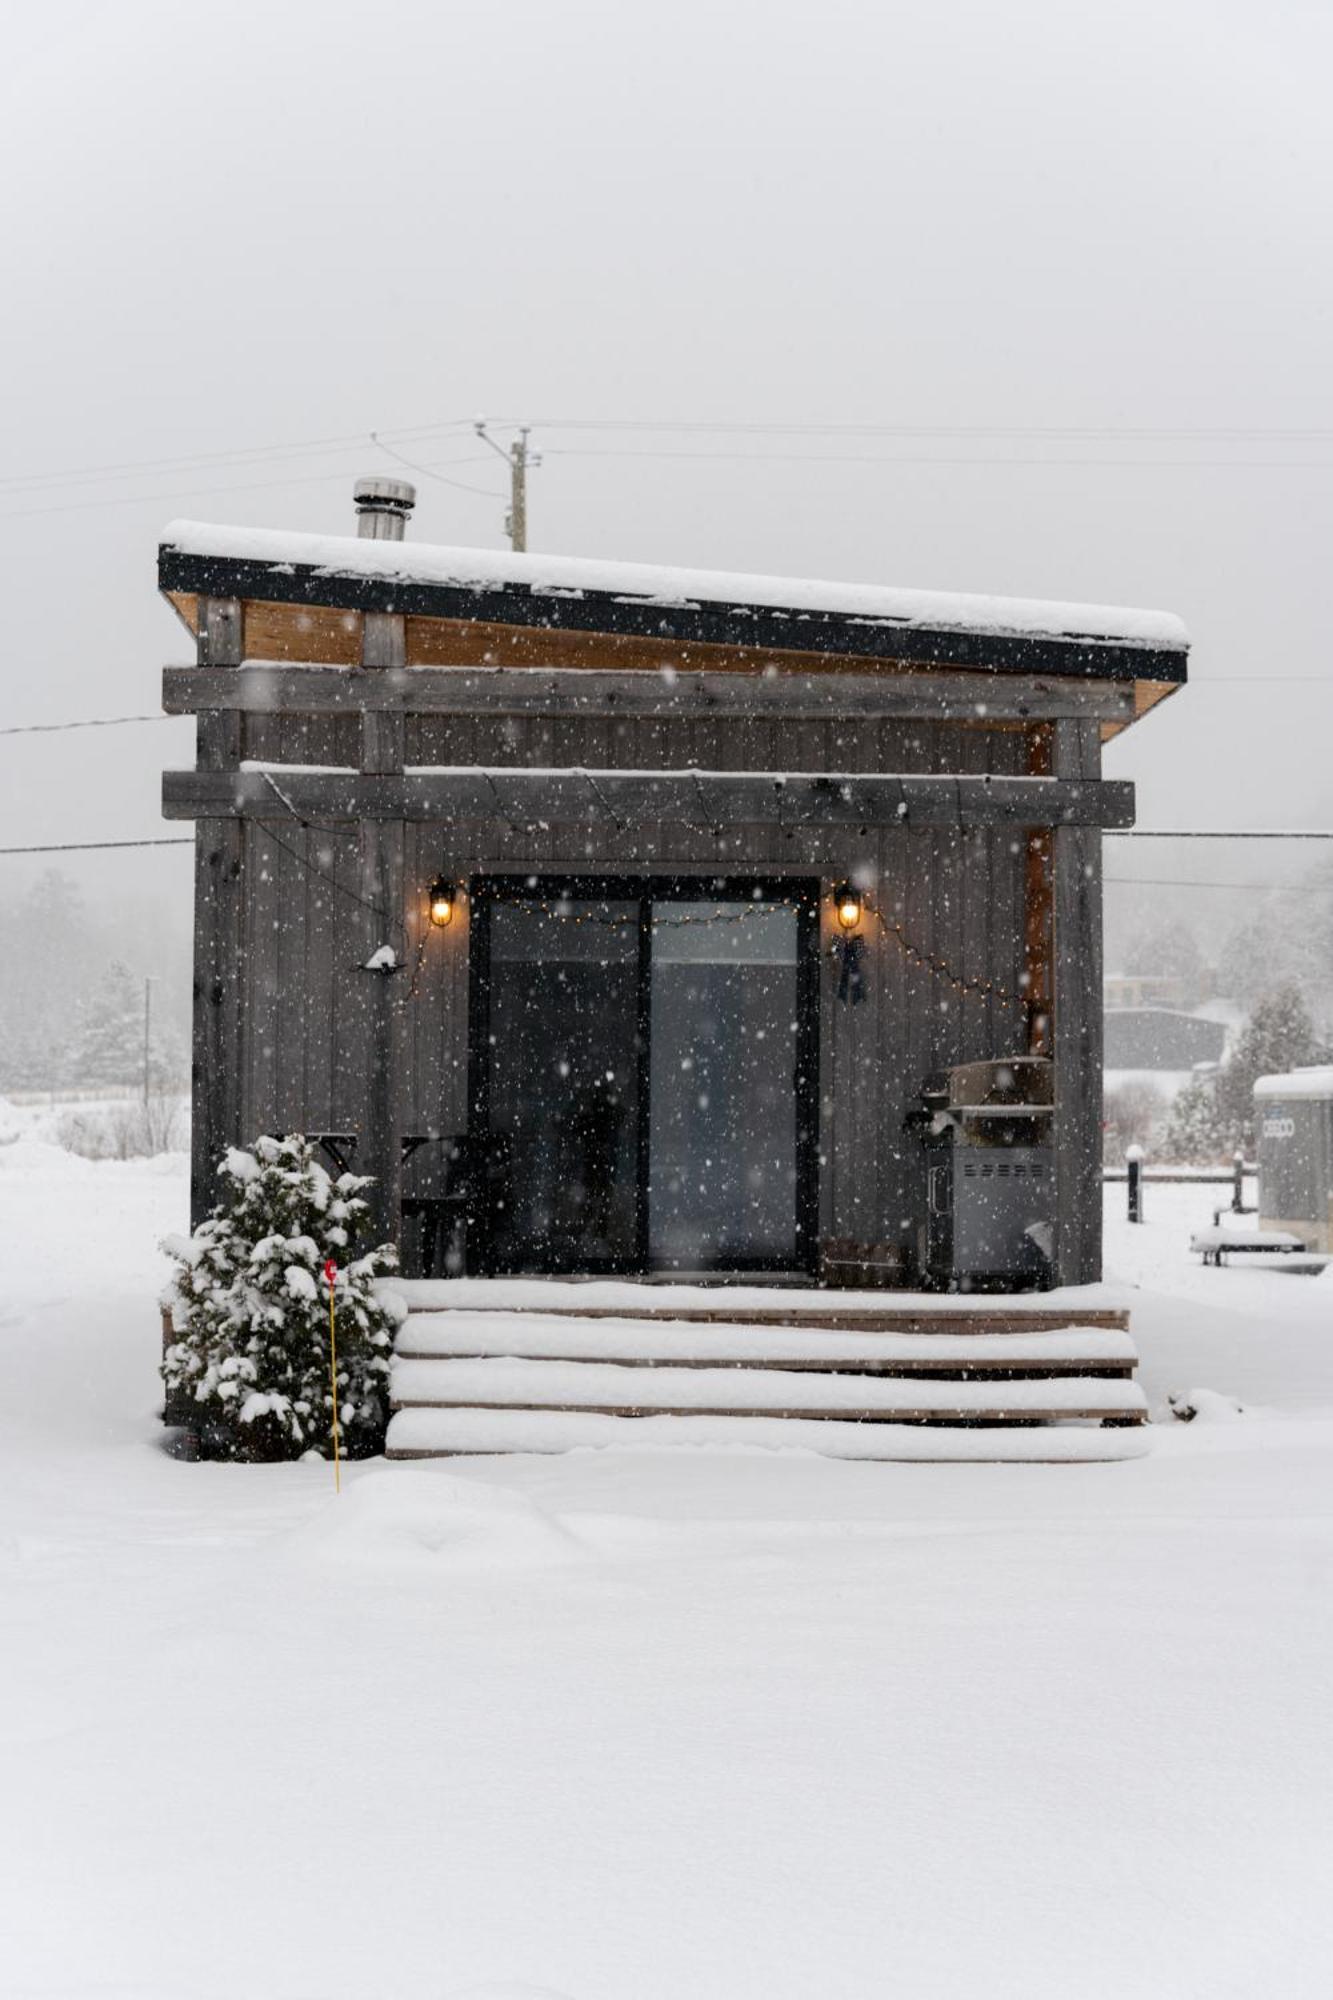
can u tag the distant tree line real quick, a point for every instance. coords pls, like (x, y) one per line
(72, 992)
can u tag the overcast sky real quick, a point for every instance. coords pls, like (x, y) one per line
(1055, 276)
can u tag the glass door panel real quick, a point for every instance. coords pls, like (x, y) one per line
(563, 1084)
(724, 1090)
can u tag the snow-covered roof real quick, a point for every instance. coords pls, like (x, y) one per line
(557, 578)
(1315, 1082)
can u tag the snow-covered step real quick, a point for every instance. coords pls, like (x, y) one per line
(683, 1343)
(426, 1433)
(767, 1305)
(513, 1382)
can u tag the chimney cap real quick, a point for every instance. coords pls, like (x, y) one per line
(399, 496)
(382, 507)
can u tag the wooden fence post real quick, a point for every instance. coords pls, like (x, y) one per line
(1134, 1175)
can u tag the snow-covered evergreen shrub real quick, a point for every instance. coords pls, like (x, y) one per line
(249, 1304)
(1196, 1134)
(1213, 1116)
(1278, 1036)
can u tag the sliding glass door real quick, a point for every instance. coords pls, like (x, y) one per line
(724, 1091)
(644, 1074)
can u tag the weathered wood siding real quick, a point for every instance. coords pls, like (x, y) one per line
(959, 896)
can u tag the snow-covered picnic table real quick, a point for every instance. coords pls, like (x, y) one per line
(1215, 1244)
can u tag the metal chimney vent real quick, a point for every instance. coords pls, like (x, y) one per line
(382, 508)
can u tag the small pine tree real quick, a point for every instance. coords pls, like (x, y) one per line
(249, 1303)
(1278, 1036)
(108, 1044)
(1213, 1116)
(1195, 1135)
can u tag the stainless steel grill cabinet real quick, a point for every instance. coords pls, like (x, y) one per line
(990, 1174)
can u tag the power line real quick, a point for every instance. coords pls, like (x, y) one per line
(267, 455)
(862, 428)
(427, 472)
(1166, 882)
(306, 447)
(90, 722)
(298, 448)
(206, 492)
(1210, 833)
(997, 459)
(86, 846)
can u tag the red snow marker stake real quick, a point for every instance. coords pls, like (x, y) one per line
(331, 1279)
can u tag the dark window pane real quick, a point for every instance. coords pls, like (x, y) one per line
(564, 1084)
(723, 1123)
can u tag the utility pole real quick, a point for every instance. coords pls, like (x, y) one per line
(517, 523)
(520, 457)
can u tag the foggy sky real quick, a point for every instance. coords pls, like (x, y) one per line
(263, 224)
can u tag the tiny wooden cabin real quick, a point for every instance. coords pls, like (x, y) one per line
(616, 918)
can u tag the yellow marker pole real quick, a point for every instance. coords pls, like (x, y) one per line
(331, 1273)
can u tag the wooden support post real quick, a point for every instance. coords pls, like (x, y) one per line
(217, 1047)
(1038, 942)
(1076, 1016)
(381, 845)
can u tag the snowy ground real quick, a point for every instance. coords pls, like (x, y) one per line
(692, 1727)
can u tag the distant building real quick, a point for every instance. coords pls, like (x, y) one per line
(1295, 1121)
(1178, 990)
(1161, 1038)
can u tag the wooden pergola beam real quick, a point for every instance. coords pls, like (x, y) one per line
(520, 796)
(275, 689)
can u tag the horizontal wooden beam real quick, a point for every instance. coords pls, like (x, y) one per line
(275, 689)
(517, 796)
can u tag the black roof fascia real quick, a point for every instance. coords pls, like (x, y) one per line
(757, 626)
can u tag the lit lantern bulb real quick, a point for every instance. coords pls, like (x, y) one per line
(847, 902)
(441, 897)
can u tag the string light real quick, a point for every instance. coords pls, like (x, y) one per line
(939, 968)
(534, 906)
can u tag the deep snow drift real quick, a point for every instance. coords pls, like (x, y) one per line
(665, 1727)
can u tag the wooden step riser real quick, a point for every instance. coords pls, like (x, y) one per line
(937, 1371)
(955, 1419)
(1033, 1457)
(817, 1320)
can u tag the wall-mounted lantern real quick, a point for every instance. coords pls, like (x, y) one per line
(847, 903)
(440, 897)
